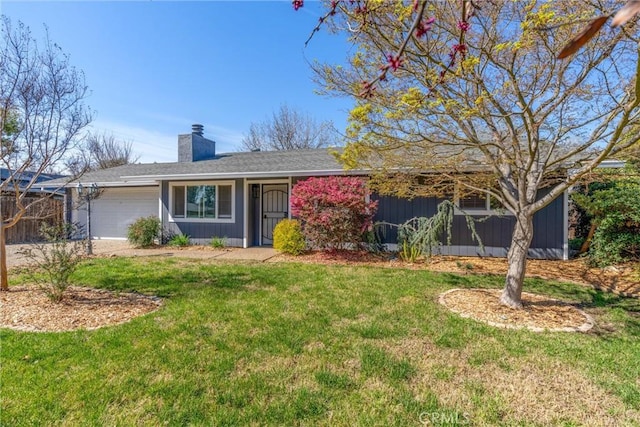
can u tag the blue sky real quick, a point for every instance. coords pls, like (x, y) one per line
(156, 67)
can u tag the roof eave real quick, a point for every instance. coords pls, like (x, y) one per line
(141, 183)
(279, 174)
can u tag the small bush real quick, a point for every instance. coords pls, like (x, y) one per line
(288, 237)
(218, 242)
(166, 235)
(180, 240)
(55, 260)
(144, 231)
(576, 243)
(409, 252)
(615, 245)
(373, 239)
(335, 212)
(464, 266)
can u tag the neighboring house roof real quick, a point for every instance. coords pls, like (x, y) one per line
(612, 163)
(230, 165)
(24, 178)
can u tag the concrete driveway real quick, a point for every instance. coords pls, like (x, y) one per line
(123, 248)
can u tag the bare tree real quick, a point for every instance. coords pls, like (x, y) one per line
(482, 103)
(42, 112)
(288, 130)
(100, 151)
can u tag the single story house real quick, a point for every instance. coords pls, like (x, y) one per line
(242, 196)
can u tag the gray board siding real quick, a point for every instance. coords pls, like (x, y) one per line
(201, 233)
(495, 231)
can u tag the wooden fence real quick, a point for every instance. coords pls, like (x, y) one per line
(50, 211)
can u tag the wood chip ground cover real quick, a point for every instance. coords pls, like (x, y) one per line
(538, 313)
(27, 308)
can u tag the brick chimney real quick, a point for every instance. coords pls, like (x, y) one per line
(193, 147)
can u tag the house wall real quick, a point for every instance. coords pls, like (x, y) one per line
(202, 232)
(495, 232)
(548, 242)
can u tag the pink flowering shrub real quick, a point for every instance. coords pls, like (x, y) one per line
(334, 211)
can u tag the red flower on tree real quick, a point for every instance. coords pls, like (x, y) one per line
(458, 49)
(368, 89)
(394, 62)
(424, 26)
(464, 26)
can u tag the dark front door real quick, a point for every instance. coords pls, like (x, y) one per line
(275, 206)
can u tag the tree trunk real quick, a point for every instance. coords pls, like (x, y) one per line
(4, 280)
(587, 242)
(517, 259)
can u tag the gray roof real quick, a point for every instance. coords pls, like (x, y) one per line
(230, 165)
(25, 178)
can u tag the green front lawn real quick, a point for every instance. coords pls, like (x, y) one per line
(292, 344)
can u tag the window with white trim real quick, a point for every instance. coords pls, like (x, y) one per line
(474, 202)
(201, 201)
(478, 203)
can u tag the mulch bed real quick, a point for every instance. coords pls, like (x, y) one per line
(539, 313)
(27, 308)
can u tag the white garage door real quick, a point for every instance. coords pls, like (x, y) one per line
(117, 208)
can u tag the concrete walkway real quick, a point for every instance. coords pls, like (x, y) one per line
(123, 248)
(258, 253)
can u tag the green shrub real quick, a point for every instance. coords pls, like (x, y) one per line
(373, 239)
(576, 243)
(288, 238)
(614, 208)
(409, 252)
(218, 242)
(613, 243)
(144, 231)
(180, 240)
(166, 235)
(53, 262)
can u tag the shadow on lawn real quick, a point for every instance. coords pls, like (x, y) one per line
(629, 306)
(162, 280)
(583, 296)
(485, 281)
(625, 309)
